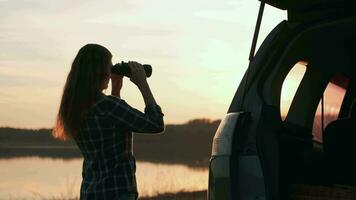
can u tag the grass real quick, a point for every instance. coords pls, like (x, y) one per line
(197, 195)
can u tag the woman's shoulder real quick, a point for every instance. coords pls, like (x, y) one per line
(114, 100)
(108, 102)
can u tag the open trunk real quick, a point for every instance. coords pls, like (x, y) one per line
(308, 4)
(302, 11)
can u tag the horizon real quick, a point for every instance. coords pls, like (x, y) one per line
(210, 121)
(198, 51)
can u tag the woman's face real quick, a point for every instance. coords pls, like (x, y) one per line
(107, 78)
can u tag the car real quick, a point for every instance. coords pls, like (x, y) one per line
(270, 145)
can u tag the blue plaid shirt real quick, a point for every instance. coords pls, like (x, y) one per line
(105, 141)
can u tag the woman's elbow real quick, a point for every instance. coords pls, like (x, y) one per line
(159, 128)
(156, 126)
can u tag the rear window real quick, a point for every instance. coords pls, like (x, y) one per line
(333, 98)
(290, 86)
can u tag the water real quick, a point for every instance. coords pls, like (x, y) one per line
(41, 178)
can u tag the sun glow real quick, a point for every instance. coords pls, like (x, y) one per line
(290, 86)
(198, 50)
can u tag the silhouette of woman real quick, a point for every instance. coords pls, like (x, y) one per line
(102, 125)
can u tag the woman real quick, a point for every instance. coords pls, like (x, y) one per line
(102, 125)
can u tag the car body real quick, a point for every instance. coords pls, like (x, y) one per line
(260, 154)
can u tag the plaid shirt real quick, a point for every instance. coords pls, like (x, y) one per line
(105, 141)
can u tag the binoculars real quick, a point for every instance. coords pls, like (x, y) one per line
(124, 69)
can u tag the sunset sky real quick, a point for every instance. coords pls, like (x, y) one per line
(198, 50)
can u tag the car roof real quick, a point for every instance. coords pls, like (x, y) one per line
(304, 11)
(308, 4)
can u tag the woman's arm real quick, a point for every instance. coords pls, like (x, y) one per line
(152, 120)
(129, 118)
(138, 77)
(116, 84)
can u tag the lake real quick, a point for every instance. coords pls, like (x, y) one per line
(40, 178)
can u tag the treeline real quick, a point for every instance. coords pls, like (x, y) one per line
(188, 143)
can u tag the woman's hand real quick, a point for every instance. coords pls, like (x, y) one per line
(138, 74)
(116, 84)
(138, 77)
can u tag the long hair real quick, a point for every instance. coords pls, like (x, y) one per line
(85, 80)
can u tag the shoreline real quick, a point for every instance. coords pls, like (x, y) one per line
(196, 195)
(195, 137)
(72, 152)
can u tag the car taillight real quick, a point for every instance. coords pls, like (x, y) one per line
(223, 137)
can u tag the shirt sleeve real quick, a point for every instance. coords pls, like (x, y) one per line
(151, 121)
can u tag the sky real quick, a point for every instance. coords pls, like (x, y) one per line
(198, 51)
